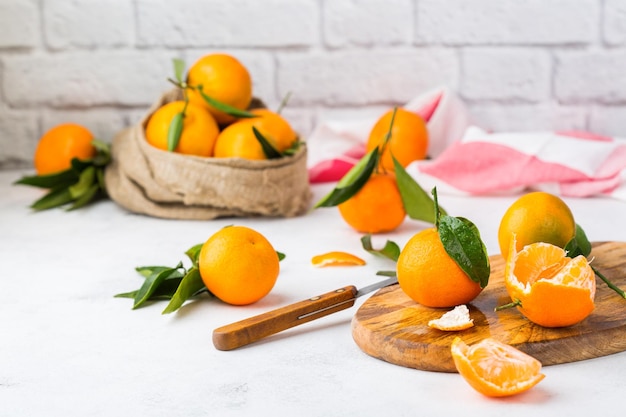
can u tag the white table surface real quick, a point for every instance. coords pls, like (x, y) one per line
(69, 348)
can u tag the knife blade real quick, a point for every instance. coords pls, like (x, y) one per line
(250, 330)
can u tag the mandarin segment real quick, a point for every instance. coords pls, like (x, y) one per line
(494, 368)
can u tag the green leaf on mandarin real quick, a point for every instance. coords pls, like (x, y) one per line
(352, 182)
(417, 203)
(462, 242)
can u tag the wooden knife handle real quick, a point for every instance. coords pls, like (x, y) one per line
(254, 328)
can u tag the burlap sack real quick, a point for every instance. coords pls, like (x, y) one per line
(147, 180)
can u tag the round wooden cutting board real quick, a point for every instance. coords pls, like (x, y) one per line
(392, 327)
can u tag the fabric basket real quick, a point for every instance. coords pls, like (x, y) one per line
(154, 182)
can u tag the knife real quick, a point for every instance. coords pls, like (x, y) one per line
(250, 330)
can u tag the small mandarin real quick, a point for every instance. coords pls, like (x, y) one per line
(429, 276)
(59, 145)
(199, 129)
(536, 217)
(408, 141)
(223, 78)
(238, 265)
(377, 207)
(238, 139)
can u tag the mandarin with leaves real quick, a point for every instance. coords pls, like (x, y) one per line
(238, 140)
(429, 276)
(199, 129)
(59, 145)
(238, 265)
(408, 140)
(377, 207)
(224, 78)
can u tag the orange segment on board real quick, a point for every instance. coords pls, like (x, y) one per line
(336, 258)
(494, 368)
(552, 289)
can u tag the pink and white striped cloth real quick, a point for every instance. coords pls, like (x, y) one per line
(468, 160)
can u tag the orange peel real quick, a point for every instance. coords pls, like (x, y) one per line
(336, 258)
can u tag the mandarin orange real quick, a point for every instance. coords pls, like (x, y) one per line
(199, 131)
(377, 207)
(59, 145)
(238, 265)
(552, 290)
(223, 78)
(429, 276)
(408, 141)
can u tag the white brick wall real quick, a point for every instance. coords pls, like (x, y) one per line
(519, 65)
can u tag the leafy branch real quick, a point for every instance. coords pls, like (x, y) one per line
(75, 187)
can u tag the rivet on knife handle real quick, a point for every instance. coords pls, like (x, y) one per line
(254, 328)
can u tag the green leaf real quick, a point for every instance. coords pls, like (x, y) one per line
(386, 273)
(391, 250)
(179, 69)
(283, 103)
(101, 183)
(55, 198)
(223, 107)
(579, 245)
(417, 203)
(85, 198)
(268, 149)
(152, 283)
(103, 155)
(85, 181)
(194, 252)
(60, 179)
(79, 165)
(174, 131)
(281, 256)
(461, 240)
(146, 271)
(352, 182)
(165, 291)
(190, 285)
(293, 149)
